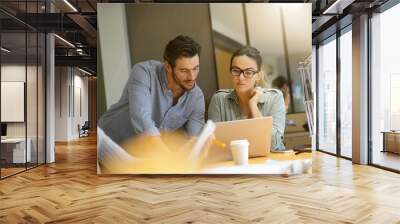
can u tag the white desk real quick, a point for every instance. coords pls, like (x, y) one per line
(113, 159)
(274, 163)
(18, 150)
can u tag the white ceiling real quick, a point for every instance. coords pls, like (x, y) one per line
(228, 19)
(265, 26)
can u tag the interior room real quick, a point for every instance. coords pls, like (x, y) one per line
(217, 42)
(340, 99)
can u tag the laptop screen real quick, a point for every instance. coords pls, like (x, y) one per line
(3, 129)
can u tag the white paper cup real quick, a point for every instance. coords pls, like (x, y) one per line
(240, 151)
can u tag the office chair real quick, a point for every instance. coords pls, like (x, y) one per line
(84, 130)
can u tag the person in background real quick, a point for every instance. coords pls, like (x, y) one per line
(282, 84)
(247, 99)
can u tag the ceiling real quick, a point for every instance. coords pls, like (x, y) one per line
(76, 22)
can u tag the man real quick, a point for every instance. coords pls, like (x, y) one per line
(159, 96)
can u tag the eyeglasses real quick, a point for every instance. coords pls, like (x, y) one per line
(247, 73)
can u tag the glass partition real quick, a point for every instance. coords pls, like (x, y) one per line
(14, 152)
(327, 96)
(385, 88)
(346, 93)
(22, 88)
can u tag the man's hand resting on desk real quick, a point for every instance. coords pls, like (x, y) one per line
(146, 146)
(166, 153)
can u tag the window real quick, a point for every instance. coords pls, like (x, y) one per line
(22, 65)
(346, 93)
(327, 95)
(385, 84)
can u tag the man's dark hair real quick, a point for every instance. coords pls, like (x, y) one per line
(250, 52)
(279, 82)
(181, 46)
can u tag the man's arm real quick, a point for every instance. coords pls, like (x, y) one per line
(195, 123)
(140, 111)
(139, 97)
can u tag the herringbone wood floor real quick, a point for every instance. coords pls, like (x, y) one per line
(69, 191)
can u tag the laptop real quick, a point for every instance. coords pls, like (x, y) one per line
(257, 131)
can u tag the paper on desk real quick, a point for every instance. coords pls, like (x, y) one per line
(269, 167)
(108, 150)
(283, 151)
(207, 131)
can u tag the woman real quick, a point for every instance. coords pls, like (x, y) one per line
(247, 100)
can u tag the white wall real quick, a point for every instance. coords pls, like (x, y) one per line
(12, 100)
(84, 84)
(265, 28)
(12, 73)
(79, 117)
(228, 20)
(67, 115)
(33, 126)
(61, 103)
(112, 28)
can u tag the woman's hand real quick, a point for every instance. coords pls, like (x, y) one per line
(253, 102)
(255, 96)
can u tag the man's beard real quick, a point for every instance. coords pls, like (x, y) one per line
(179, 82)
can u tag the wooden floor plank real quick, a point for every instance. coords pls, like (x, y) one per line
(69, 191)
